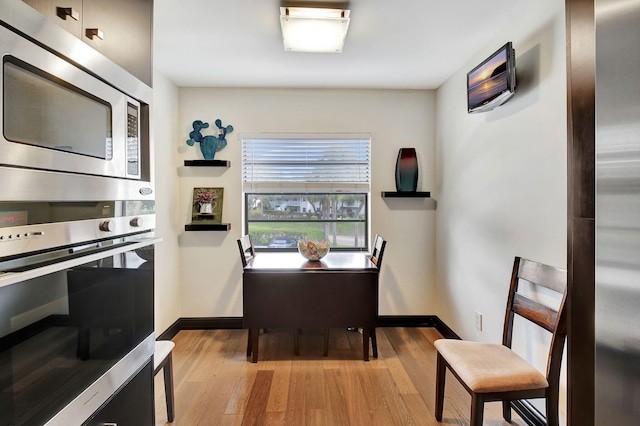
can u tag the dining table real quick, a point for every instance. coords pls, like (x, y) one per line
(285, 290)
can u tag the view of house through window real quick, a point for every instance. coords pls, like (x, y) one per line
(306, 187)
(280, 220)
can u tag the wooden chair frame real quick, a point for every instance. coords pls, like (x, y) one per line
(552, 320)
(163, 360)
(247, 251)
(379, 244)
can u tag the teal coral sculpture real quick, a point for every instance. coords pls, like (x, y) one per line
(222, 134)
(209, 144)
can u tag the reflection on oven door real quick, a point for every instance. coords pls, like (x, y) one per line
(63, 332)
(102, 305)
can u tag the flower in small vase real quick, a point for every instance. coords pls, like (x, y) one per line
(205, 197)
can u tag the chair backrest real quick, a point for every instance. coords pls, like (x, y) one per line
(379, 244)
(247, 251)
(552, 320)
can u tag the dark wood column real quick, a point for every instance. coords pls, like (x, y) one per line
(581, 210)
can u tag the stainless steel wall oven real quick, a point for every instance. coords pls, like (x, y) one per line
(77, 222)
(76, 319)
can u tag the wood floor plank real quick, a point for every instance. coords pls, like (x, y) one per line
(231, 420)
(370, 390)
(421, 371)
(245, 377)
(297, 394)
(231, 381)
(184, 406)
(418, 411)
(315, 386)
(275, 418)
(403, 382)
(357, 407)
(337, 403)
(279, 394)
(393, 401)
(257, 405)
(216, 384)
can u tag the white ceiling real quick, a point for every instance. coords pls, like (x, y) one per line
(392, 44)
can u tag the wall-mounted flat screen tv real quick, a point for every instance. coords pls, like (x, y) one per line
(493, 82)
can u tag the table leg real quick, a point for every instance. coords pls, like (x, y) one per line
(365, 343)
(374, 343)
(255, 333)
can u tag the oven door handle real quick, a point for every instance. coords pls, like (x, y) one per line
(77, 249)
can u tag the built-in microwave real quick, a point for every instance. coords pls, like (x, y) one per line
(56, 116)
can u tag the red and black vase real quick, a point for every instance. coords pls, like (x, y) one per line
(407, 170)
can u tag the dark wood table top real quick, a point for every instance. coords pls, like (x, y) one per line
(293, 261)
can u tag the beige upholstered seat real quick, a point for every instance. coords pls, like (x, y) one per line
(493, 372)
(490, 367)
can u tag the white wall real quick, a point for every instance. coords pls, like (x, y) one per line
(501, 179)
(211, 269)
(169, 222)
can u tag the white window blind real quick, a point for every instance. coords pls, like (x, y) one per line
(318, 163)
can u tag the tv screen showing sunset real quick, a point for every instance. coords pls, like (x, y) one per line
(488, 81)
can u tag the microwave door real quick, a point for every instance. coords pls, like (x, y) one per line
(55, 116)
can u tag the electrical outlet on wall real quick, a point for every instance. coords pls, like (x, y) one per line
(478, 320)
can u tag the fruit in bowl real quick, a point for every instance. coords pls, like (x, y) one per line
(313, 250)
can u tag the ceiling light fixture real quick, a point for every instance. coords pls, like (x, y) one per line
(312, 29)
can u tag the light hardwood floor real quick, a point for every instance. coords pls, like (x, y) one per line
(216, 385)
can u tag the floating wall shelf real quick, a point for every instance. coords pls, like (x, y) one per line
(207, 163)
(207, 227)
(407, 194)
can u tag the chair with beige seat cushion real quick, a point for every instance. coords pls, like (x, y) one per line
(493, 372)
(162, 360)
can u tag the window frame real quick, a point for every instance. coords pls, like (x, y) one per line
(296, 187)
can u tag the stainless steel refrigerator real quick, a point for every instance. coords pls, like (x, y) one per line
(617, 315)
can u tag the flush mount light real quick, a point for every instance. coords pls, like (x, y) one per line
(312, 29)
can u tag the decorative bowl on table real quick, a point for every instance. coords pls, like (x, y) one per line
(313, 250)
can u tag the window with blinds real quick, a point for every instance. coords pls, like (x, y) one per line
(306, 187)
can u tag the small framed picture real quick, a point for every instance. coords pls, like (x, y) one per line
(207, 205)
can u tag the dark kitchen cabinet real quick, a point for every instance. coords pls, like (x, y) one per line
(132, 405)
(127, 27)
(65, 13)
(119, 29)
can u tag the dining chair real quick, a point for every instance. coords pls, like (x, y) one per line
(493, 372)
(247, 251)
(162, 360)
(379, 245)
(377, 252)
